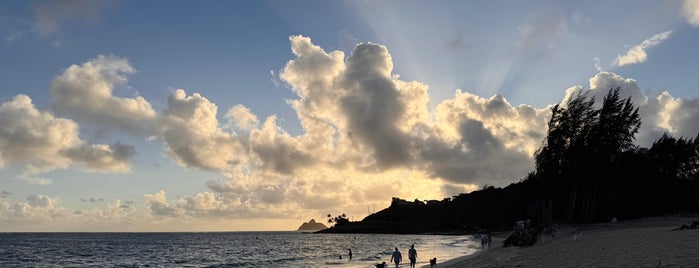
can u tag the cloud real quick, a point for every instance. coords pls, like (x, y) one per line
(383, 123)
(40, 212)
(192, 134)
(36, 207)
(690, 10)
(637, 54)
(42, 142)
(86, 92)
(598, 66)
(91, 199)
(539, 37)
(158, 205)
(457, 43)
(241, 118)
(51, 16)
(40, 201)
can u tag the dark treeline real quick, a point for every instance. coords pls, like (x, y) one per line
(587, 170)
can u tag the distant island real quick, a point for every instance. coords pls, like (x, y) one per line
(588, 170)
(312, 225)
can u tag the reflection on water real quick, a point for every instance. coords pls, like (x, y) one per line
(229, 249)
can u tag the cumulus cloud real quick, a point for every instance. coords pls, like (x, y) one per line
(42, 142)
(38, 212)
(690, 10)
(86, 93)
(637, 54)
(241, 118)
(193, 136)
(35, 207)
(370, 120)
(204, 205)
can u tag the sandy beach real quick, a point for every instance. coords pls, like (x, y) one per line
(649, 242)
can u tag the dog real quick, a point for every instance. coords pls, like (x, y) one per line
(433, 263)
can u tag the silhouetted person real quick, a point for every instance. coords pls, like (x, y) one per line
(350, 253)
(396, 257)
(412, 256)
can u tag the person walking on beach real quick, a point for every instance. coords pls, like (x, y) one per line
(412, 255)
(350, 253)
(396, 257)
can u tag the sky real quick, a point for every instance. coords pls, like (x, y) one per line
(260, 115)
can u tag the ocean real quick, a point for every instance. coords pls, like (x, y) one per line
(222, 249)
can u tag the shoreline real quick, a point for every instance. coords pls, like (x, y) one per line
(646, 242)
(498, 238)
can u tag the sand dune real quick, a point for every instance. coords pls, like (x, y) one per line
(650, 242)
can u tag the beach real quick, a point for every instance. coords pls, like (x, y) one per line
(649, 242)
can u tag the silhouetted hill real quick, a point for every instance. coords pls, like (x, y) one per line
(312, 225)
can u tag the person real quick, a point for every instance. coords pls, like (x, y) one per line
(396, 257)
(350, 253)
(412, 255)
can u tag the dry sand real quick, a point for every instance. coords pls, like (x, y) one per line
(649, 242)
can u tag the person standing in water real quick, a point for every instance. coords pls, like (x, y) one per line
(396, 257)
(350, 253)
(412, 255)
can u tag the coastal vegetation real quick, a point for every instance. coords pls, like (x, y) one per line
(588, 170)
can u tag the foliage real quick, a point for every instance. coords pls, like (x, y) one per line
(338, 220)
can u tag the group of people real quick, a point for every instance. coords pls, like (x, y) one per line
(397, 258)
(486, 239)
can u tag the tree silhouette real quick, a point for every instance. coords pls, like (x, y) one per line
(582, 146)
(338, 220)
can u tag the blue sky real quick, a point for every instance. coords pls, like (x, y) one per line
(439, 98)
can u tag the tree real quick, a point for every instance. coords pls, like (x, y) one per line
(338, 220)
(580, 143)
(562, 151)
(612, 135)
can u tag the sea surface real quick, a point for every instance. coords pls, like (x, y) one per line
(222, 249)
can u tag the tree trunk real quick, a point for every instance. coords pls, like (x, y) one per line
(572, 200)
(593, 203)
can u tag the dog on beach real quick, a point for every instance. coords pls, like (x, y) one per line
(433, 263)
